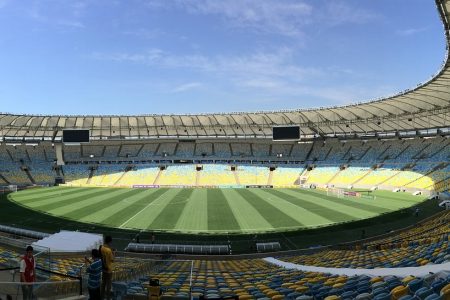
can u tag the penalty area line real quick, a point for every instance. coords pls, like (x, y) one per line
(150, 204)
(135, 215)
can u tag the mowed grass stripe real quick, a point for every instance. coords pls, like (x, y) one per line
(97, 204)
(296, 211)
(118, 207)
(37, 191)
(195, 214)
(248, 218)
(379, 205)
(49, 204)
(411, 199)
(42, 196)
(118, 218)
(319, 209)
(346, 201)
(168, 217)
(378, 202)
(60, 210)
(337, 204)
(269, 212)
(220, 215)
(144, 217)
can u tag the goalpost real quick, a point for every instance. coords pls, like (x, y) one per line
(341, 193)
(335, 192)
(12, 188)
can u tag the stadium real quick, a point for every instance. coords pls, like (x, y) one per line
(343, 202)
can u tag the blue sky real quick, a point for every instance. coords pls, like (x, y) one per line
(193, 56)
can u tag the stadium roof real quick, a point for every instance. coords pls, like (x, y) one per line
(427, 106)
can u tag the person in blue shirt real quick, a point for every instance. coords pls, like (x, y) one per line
(94, 270)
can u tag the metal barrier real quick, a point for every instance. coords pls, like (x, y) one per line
(44, 288)
(268, 247)
(24, 232)
(179, 249)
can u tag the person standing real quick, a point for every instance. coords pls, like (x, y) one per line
(95, 274)
(107, 255)
(28, 273)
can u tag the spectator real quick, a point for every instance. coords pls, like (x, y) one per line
(28, 273)
(95, 274)
(417, 211)
(107, 255)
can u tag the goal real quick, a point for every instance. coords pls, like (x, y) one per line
(341, 193)
(335, 192)
(12, 188)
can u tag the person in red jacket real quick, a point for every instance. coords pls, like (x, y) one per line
(28, 273)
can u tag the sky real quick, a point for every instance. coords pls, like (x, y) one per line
(112, 57)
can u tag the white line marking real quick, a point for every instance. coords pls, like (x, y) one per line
(148, 205)
(135, 215)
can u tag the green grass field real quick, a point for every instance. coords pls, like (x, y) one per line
(216, 211)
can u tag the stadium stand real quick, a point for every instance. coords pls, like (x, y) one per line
(398, 143)
(410, 165)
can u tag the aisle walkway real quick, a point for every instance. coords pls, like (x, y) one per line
(400, 272)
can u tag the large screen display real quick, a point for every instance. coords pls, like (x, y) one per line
(75, 136)
(286, 133)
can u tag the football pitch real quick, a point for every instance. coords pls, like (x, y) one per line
(214, 211)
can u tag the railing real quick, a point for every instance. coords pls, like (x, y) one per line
(44, 288)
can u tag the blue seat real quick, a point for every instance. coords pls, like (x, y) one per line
(349, 295)
(433, 297)
(415, 284)
(438, 284)
(423, 292)
(382, 296)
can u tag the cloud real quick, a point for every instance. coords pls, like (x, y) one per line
(286, 18)
(62, 15)
(186, 87)
(411, 31)
(259, 66)
(270, 16)
(338, 12)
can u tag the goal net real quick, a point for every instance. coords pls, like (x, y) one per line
(335, 192)
(12, 188)
(341, 193)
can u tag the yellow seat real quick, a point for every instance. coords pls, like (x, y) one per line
(376, 279)
(445, 292)
(338, 285)
(301, 289)
(408, 279)
(333, 297)
(399, 292)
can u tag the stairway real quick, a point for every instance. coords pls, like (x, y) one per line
(269, 180)
(4, 179)
(197, 178)
(335, 175)
(365, 153)
(362, 177)
(437, 168)
(158, 176)
(236, 177)
(127, 169)
(91, 173)
(389, 178)
(27, 171)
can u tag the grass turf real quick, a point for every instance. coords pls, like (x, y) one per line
(215, 211)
